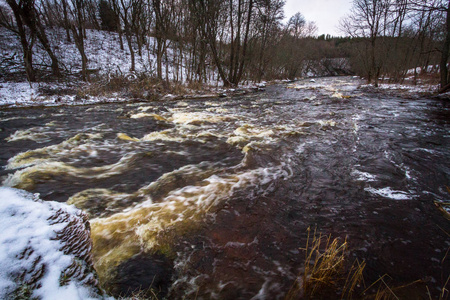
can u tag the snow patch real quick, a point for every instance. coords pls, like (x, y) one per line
(25, 222)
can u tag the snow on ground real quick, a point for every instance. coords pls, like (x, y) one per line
(430, 69)
(24, 94)
(28, 240)
(102, 49)
(420, 88)
(104, 57)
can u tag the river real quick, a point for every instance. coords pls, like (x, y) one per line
(213, 198)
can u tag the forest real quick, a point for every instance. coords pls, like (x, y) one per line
(232, 41)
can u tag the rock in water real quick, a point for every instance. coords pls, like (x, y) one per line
(45, 249)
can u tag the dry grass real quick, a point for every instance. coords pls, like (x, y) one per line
(327, 275)
(445, 293)
(322, 267)
(149, 294)
(137, 86)
(354, 279)
(195, 85)
(324, 270)
(142, 87)
(383, 291)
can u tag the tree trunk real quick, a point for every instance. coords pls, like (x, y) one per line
(445, 50)
(66, 21)
(130, 47)
(244, 50)
(166, 61)
(28, 15)
(159, 56)
(234, 70)
(28, 57)
(26, 47)
(206, 15)
(79, 42)
(232, 42)
(45, 43)
(120, 38)
(78, 36)
(373, 63)
(261, 54)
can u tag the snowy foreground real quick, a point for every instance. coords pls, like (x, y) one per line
(44, 249)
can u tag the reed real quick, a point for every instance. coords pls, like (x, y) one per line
(149, 294)
(324, 269)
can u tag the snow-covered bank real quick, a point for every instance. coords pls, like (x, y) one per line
(406, 91)
(44, 249)
(24, 94)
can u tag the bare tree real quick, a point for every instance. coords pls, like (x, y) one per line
(76, 20)
(26, 40)
(269, 15)
(66, 19)
(162, 11)
(445, 85)
(26, 16)
(33, 21)
(239, 30)
(369, 19)
(207, 14)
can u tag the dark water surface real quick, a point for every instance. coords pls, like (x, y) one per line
(212, 199)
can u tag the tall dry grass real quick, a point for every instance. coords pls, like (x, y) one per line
(324, 269)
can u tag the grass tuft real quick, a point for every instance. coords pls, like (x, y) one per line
(149, 294)
(324, 268)
(327, 272)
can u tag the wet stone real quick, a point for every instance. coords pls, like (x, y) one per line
(145, 273)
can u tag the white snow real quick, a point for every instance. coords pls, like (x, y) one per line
(425, 88)
(22, 94)
(104, 56)
(24, 223)
(430, 69)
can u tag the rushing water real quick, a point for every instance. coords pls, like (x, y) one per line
(212, 199)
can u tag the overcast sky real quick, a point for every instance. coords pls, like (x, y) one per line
(326, 13)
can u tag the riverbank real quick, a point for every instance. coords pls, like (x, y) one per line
(25, 94)
(132, 89)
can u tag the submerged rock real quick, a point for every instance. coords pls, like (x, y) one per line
(149, 274)
(45, 249)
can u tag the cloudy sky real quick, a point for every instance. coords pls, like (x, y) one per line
(326, 13)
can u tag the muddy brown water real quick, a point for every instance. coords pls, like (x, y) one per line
(212, 198)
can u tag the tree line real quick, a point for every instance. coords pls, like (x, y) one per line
(241, 40)
(396, 35)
